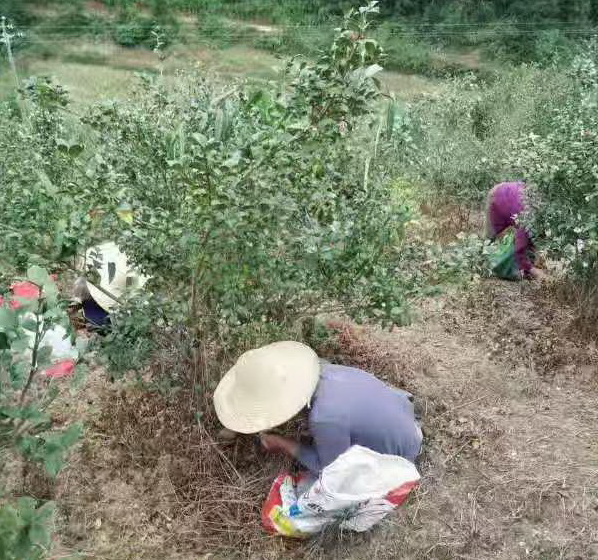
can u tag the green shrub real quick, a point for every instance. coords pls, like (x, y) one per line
(42, 177)
(253, 208)
(16, 11)
(518, 44)
(134, 31)
(261, 195)
(461, 140)
(405, 53)
(219, 32)
(560, 167)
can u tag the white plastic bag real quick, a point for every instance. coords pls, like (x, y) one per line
(355, 492)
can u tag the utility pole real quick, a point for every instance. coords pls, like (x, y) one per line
(6, 38)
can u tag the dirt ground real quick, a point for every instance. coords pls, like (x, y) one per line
(508, 393)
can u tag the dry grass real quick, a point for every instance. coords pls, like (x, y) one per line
(152, 477)
(156, 479)
(509, 466)
(583, 300)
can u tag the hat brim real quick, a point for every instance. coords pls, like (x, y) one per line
(248, 416)
(104, 301)
(117, 286)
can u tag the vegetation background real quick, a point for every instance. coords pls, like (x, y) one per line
(283, 171)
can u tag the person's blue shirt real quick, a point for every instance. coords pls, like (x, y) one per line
(352, 407)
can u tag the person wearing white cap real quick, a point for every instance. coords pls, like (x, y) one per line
(270, 385)
(117, 279)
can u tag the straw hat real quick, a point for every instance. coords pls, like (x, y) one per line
(116, 277)
(267, 387)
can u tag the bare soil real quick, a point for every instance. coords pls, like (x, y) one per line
(508, 394)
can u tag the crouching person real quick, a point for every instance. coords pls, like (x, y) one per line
(514, 254)
(365, 438)
(117, 281)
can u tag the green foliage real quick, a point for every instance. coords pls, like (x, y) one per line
(25, 529)
(517, 45)
(247, 197)
(134, 31)
(561, 167)
(459, 142)
(17, 11)
(47, 181)
(128, 344)
(26, 427)
(253, 208)
(219, 32)
(307, 41)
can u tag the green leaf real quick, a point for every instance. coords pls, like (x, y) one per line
(57, 445)
(51, 293)
(19, 371)
(40, 533)
(21, 344)
(29, 324)
(44, 356)
(8, 319)
(38, 275)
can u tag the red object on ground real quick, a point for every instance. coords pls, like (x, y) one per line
(25, 290)
(59, 370)
(272, 500)
(398, 496)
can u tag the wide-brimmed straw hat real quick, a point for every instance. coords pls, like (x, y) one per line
(267, 386)
(117, 277)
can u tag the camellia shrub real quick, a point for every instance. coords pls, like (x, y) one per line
(561, 167)
(251, 207)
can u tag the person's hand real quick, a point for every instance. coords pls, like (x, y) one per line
(278, 444)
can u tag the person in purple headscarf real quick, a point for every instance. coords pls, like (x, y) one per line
(505, 203)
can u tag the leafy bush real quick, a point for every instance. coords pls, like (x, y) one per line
(461, 139)
(252, 207)
(219, 32)
(134, 28)
(47, 194)
(405, 53)
(561, 167)
(26, 427)
(262, 207)
(518, 45)
(16, 11)
(134, 31)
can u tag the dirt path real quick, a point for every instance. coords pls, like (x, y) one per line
(511, 461)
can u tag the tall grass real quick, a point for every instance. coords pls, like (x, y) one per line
(459, 142)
